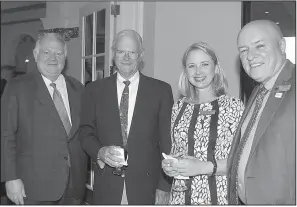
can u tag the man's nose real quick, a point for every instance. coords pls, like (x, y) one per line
(251, 55)
(53, 56)
(126, 56)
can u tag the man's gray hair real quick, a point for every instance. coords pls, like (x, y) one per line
(57, 36)
(127, 32)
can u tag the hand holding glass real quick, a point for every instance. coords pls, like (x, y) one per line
(120, 171)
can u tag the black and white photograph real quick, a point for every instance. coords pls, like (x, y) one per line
(148, 102)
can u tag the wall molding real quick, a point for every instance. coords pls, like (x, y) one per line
(20, 21)
(66, 33)
(24, 8)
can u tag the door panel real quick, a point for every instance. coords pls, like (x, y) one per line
(95, 26)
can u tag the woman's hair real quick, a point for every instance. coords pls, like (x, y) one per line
(219, 83)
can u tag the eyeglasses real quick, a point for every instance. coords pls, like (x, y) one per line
(131, 54)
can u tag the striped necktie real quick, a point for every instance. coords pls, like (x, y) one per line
(58, 101)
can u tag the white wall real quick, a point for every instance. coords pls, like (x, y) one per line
(179, 24)
(149, 38)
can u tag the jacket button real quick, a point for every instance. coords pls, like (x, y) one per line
(65, 158)
(148, 174)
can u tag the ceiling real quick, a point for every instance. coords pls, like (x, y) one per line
(282, 12)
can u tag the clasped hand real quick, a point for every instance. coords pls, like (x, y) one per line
(15, 191)
(111, 156)
(186, 166)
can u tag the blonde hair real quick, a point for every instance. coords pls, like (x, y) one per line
(219, 83)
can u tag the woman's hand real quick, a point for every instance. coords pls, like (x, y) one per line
(167, 165)
(191, 166)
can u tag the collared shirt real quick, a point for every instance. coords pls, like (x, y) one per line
(247, 148)
(62, 88)
(133, 88)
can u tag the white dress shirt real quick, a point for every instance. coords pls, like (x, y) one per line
(62, 88)
(133, 88)
(247, 148)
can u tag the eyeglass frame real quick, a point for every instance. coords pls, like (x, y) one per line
(125, 53)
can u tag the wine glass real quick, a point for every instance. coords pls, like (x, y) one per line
(120, 171)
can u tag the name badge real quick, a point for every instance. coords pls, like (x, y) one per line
(278, 95)
(207, 112)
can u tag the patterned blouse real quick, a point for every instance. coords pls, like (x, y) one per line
(204, 131)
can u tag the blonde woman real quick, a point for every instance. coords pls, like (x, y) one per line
(203, 123)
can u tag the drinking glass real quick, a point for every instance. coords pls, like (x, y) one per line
(120, 171)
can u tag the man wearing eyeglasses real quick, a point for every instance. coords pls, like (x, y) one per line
(125, 125)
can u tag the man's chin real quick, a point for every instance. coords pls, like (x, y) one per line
(258, 79)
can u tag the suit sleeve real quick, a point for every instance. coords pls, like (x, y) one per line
(165, 137)
(9, 126)
(88, 136)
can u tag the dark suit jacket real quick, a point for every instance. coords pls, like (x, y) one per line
(149, 136)
(3, 84)
(270, 171)
(34, 143)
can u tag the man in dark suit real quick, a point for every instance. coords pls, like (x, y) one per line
(42, 161)
(261, 164)
(131, 111)
(7, 73)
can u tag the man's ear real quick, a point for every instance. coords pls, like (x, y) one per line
(35, 54)
(142, 54)
(282, 45)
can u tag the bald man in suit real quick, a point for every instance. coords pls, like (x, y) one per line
(261, 164)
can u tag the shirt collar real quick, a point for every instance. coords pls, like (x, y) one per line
(132, 79)
(58, 82)
(269, 84)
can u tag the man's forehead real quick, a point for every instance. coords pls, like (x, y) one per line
(252, 36)
(128, 39)
(50, 41)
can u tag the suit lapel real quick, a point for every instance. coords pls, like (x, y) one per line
(74, 100)
(111, 99)
(139, 105)
(272, 105)
(45, 99)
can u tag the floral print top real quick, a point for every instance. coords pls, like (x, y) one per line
(204, 131)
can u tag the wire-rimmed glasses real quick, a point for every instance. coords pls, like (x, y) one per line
(133, 55)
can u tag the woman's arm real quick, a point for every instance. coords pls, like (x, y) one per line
(191, 166)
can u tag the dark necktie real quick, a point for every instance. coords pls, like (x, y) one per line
(234, 170)
(124, 112)
(58, 101)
